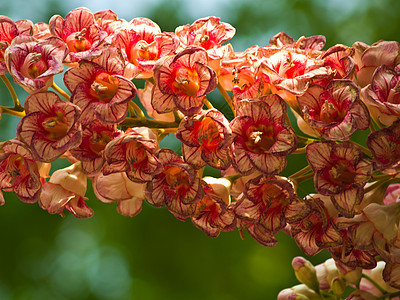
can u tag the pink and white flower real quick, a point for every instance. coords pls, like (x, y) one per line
(261, 137)
(182, 82)
(19, 172)
(340, 171)
(99, 88)
(133, 153)
(33, 63)
(50, 127)
(206, 139)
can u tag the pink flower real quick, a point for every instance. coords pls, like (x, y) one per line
(99, 88)
(50, 126)
(212, 215)
(176, 187)
(19, 172)
(316, 42)
(261, 138)
(133, 153)
(8, 31)
(368, 58)
(292, 70)
(95, 137)
(143, 44)
(206, 139)
(334, 111)
(117, 187)
(339, 59)
(383, 95)
(33, 63)
(385, 147)
(79, 31)
(265, 201)
(66, 190)
(340, 172)
(182, 81)
(315, 231)
(208, 33)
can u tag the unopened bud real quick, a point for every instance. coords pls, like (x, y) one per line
(298, 292)
(338, 286)
(305, 272)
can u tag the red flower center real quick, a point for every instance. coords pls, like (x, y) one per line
(260, 138)
(186, 82)
(104, 87)
(36, 65)
(55, 126)
(330, 113)
(342, 173)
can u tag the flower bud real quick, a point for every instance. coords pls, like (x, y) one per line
(298, 292)
(305, 272)
(338, 286)
(71, 178)
(325, 273)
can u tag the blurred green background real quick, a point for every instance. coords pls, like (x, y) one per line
(153, 255)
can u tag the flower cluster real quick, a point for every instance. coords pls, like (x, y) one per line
(290, 97)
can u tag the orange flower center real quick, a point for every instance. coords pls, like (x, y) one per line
(56, 126)
(177, 178)
(98, 141)
(135, 152)
(16, 167)
(208, 133)
(77, 42)
(104, 87)
(144, 51)
(186, 82)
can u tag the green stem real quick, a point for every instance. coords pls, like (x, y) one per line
(374, 283)
(301, 172)
(379, 183)
(133, 122)
(13, 111)
(177, 117)
(303, 178)
(61, 91)
(137, 109)
(226, 97)
(208, 104)
(12, 91)
(389, 295)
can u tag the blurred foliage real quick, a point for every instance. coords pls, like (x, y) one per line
(155, 256)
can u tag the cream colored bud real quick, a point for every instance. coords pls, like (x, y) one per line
(71, 179)
(221, 186)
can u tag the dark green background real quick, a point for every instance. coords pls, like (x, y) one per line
(153, 255)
